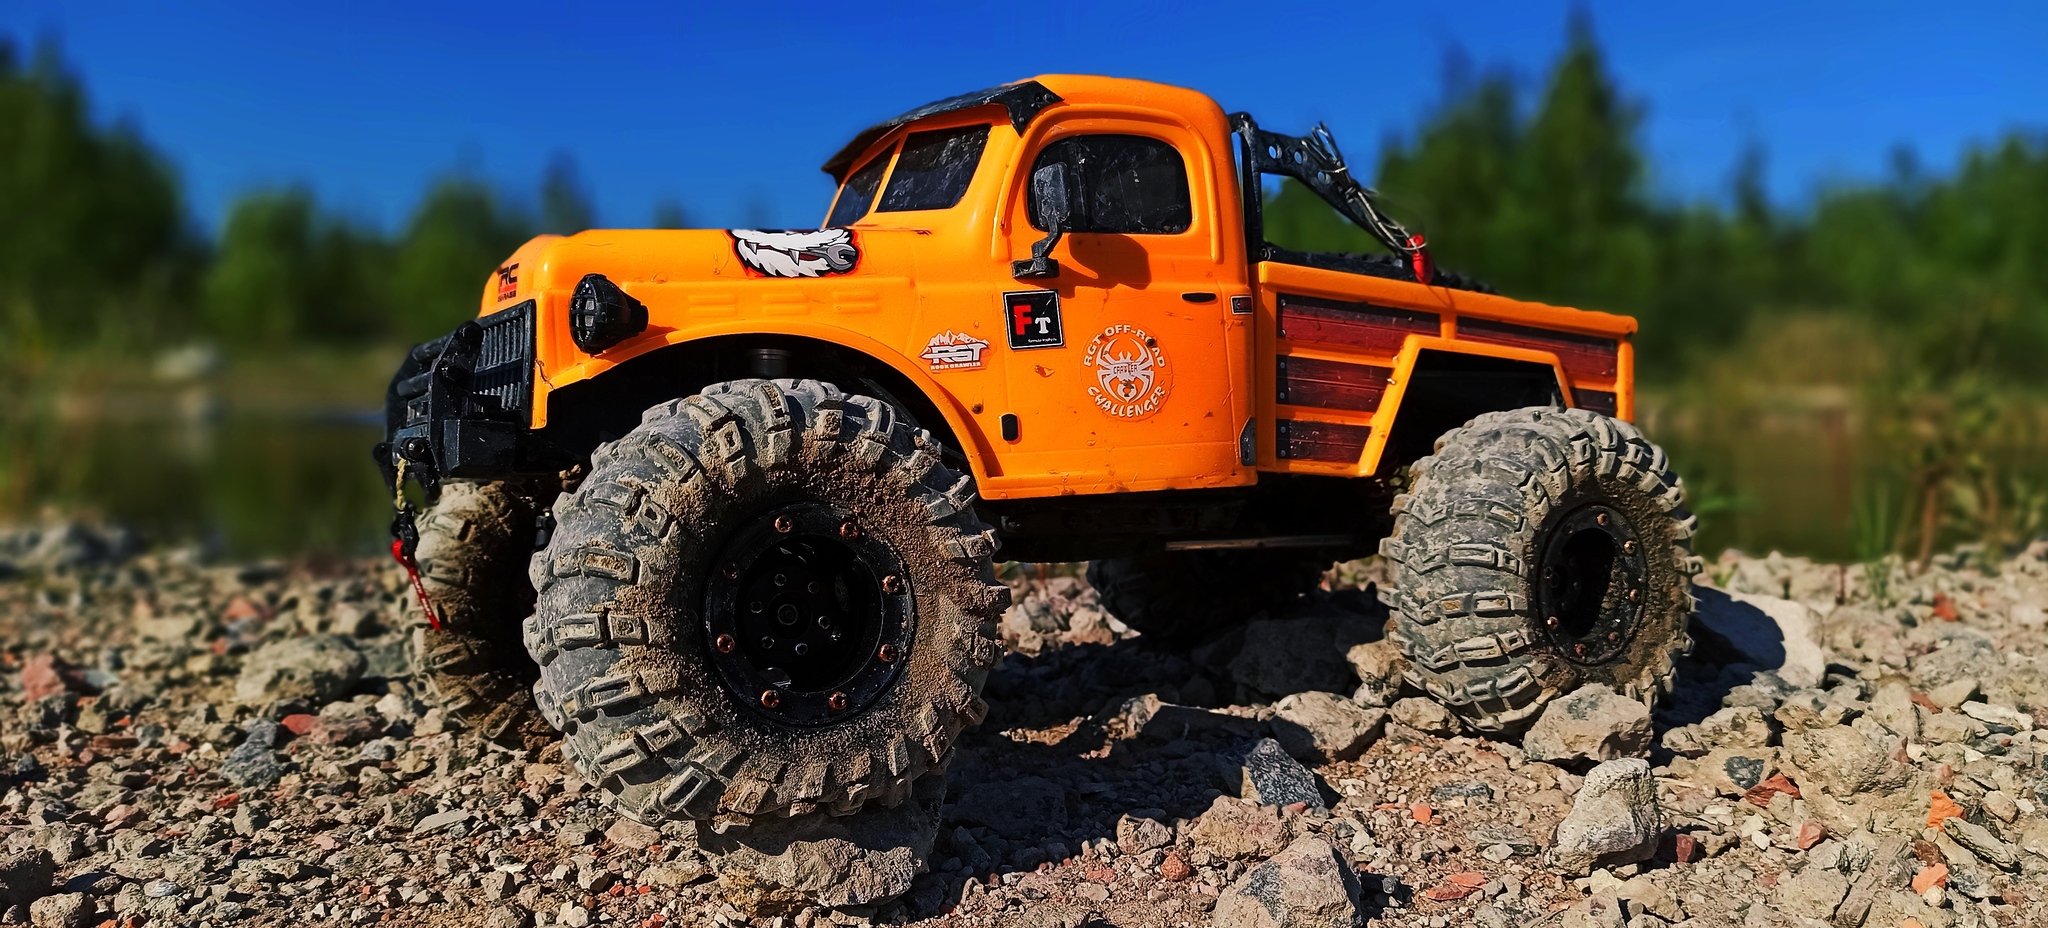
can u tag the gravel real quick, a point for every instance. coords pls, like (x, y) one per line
(1113, 783)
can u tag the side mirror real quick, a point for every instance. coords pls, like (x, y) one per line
(1052, 209)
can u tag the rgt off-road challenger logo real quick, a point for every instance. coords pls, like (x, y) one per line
(1131, 376)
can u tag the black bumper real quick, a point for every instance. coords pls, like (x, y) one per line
(461, 405)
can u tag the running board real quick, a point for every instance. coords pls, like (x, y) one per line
(1270, 541)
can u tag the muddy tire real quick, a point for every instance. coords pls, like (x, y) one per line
(1183, 598)
(1537, 551)
(473, 551)
(765, 600)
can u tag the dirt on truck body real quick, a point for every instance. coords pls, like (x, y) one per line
(770, 471)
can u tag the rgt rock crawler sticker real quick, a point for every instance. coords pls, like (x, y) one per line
(954, 351)
(1132, 378)
(796, 254)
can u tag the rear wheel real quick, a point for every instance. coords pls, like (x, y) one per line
(1540, 550)
(767, 599)
(473, 549)
(1184, 598)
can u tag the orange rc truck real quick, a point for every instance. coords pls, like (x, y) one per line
(770, 471)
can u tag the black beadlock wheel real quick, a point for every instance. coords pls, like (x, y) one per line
(767, 599)
(473, 550)
(1180, 599)
(1539, 550)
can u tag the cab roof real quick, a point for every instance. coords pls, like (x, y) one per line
(1023, 100)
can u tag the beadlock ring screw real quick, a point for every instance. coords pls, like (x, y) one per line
(1629, 546)
(849, 530)
(1601, 518)
(892, 584)
(725, 644)
(837, 701)
(1550, 622)
(887, 654)
(783, 523)
(770, 699)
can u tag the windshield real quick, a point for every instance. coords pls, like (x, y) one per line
(933, 170)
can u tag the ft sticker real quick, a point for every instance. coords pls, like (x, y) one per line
(1033, 318)
(954, 351)
(1131, 376)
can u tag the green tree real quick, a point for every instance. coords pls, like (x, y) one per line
(282, 272)
(447, 253)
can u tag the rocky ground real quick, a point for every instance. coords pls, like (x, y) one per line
(193, 744)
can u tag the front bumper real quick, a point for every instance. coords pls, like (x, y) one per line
(460, 405)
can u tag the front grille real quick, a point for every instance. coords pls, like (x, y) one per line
(502, 381)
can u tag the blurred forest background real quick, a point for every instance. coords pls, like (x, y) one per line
(1862, 374)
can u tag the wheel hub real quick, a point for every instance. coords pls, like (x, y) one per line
(808, 618)
(1591, 580)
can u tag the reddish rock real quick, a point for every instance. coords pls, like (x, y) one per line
(242, 608)
(1940, 807)
(1930, 877)
(1173, 869)
(1468, 878)
(1944, 607)
(1810, 834)
(1449, 892)
(1920, 699)
(1680, 848)
(299, 723)
(1100, 875)
(1421, 811)
(44, 674)
(1760, 794)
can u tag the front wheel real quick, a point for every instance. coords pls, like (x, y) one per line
(767, 599)
(1537, 551)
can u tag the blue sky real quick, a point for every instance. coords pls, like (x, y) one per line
(730, 108)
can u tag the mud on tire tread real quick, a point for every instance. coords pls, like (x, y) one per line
(618, 629)
(473, 551)
(1183, 598)
(1463, 544)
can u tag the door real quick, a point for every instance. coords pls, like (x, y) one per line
(1122, 367)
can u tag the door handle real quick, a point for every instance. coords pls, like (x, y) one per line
(1199, 296)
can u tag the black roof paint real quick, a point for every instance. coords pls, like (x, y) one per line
(1023, 100)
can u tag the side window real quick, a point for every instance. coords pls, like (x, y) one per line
(934, 169)
(859, 192)
(1127, 184)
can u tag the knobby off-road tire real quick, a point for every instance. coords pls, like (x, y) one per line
(658, 673)
(1537, 551)
(1183, 598)
(473, 551)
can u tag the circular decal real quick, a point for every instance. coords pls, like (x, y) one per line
(1131, 375)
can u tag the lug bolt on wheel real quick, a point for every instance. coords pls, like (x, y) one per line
(784, 523)
(1601, 518)
(770, 699)
(849, 530)
(887, 654)
(837, 701)
(1628, 546)
(1550, 622)
(892, 584)
(725, 644)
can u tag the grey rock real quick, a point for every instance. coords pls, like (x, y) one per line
(1963, 654)
(1614, 819)
(1283, 656)
(1735, 727)
(1497, 834)
(1017, 808)
(1325, 726)
(1235, 830)
(859, 860)
(62, 910)
(252, 764)
(1262, 772)
(1471, 791)
(441, 821)
(1844, 762)
(1766, 632)
(1139, 832)
(1982, 843)
(1378, 665)
(25, 877)
(1734, 771)
(316, 669)
(1424, 715)
(1592, 723)
(1305, 886)
(1815, 893)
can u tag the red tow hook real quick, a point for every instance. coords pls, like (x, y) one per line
(412, 573)
(1419, 260)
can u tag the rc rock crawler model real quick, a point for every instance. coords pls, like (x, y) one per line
(769, 471)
